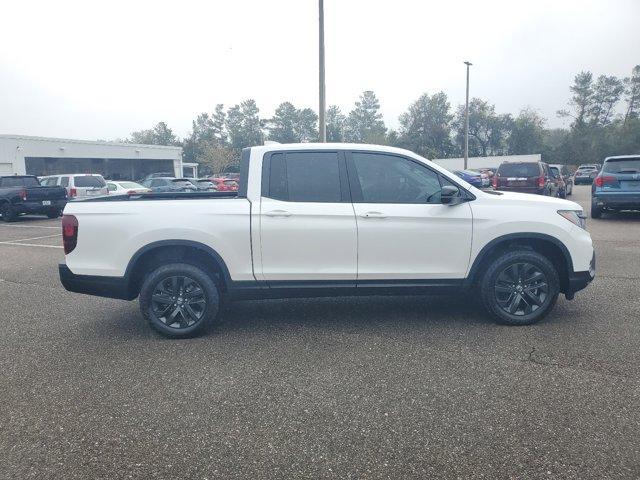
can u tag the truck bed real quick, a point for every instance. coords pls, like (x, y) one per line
(160, 196)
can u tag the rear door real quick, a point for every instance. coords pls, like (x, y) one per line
(307, 224)
(404, 230)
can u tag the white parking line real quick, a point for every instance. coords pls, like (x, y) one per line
(30, 245)
(29, 226)
(35, 238)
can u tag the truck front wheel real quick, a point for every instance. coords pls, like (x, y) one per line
(520, 287)
(179, 300)
(8, 212)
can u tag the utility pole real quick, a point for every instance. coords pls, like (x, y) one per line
(322, 106)
(466, 121)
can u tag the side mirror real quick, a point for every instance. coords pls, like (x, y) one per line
(450, 195)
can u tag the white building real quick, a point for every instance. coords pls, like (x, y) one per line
(485, 162)
(20, 155)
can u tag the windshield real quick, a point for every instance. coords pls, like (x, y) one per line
(622, 165)
(519, 170)
(89, 181)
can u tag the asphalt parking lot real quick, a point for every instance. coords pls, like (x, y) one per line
(377, 387)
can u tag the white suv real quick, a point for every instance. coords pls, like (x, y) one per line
(78, 185)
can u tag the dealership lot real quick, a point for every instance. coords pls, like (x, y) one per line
(361, 388)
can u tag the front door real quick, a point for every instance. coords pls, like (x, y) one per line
(307, 224)
(404, 231)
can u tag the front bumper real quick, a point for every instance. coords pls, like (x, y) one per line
(110, 287)
(579, 280)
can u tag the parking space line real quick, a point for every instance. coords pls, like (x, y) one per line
(36, 238)
(30, 245)
(29, 226)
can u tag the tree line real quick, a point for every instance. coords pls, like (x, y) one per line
(429, 127)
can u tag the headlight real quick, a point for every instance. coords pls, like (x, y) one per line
(575, 216)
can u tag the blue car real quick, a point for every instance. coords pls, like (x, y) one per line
(617, 186)
(476, 179)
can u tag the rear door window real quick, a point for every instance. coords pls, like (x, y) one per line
(519, 170)
(64, 181)
(304, 177)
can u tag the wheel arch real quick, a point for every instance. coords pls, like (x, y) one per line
(165, 251)
(546, 245)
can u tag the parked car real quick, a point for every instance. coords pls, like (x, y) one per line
(203, 185)
(477, 179)
(79, 185)
(123, 187)
(224, 184)
(566, 184)
(20, 194)
(617, 186)
(585, 174)
(158, 175)
(169, 184)
(327, 219)
(526, 177)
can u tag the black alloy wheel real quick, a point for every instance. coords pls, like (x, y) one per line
(178, 302)
(521, 289)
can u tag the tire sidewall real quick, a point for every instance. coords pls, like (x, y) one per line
(7, 212)
(498, 265)
(211, 294)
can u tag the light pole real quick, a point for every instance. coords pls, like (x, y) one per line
(466, 121)
(322, 107)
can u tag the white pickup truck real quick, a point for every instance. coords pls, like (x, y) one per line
(327, 220)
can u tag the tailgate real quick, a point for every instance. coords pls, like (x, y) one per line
(46, 193)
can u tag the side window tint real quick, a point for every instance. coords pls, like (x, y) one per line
(392, 179)
(278, 178)
(64, 181)
(305, 177)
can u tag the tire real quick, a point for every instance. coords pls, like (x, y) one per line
(169, 312)
(53, 213)
(8, 213)
(562, 193)
(596, 211)
(511, 302)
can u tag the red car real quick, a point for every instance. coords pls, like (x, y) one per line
(224, 184)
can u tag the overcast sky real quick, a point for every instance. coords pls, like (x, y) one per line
(101, 69)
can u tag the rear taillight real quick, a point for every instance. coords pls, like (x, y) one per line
(23, 194)
(73, 192)
(69, 233)
(605, 180)
(541, 181)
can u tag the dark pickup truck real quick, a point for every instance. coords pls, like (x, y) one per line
(23, 194)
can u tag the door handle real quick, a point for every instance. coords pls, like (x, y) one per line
(373, 215)
(278, 213)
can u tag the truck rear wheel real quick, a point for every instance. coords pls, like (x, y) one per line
(520, 287)
(179, 300)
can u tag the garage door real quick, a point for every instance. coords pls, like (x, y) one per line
(6, 169)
